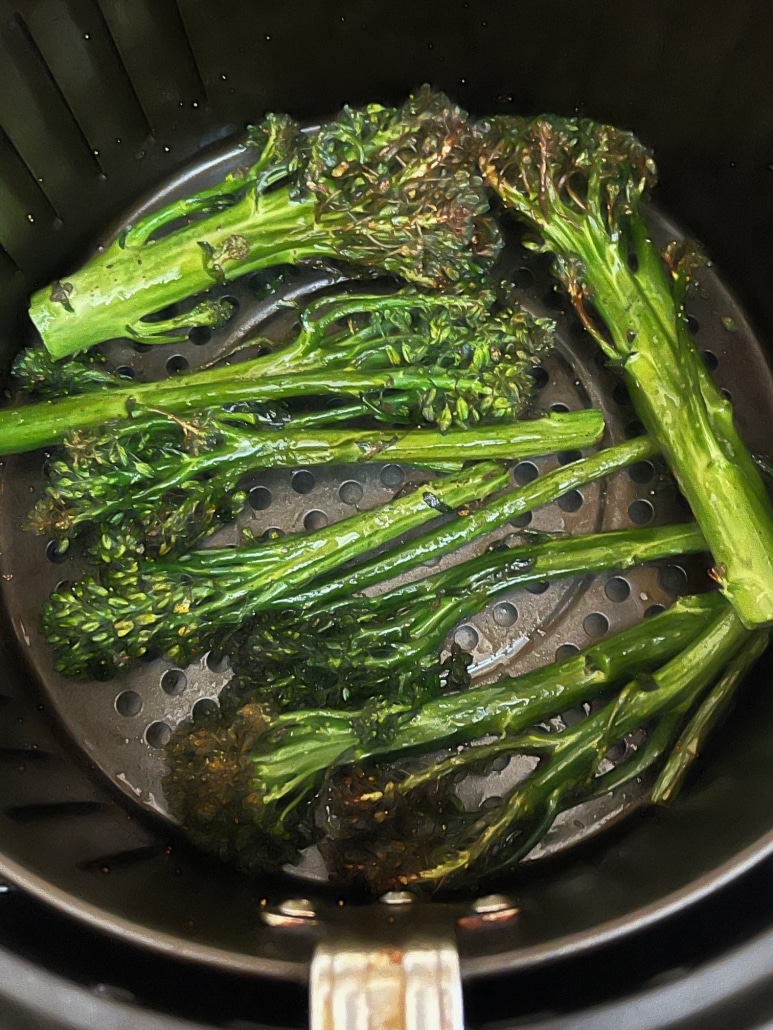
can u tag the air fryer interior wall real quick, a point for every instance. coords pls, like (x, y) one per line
(99, 101)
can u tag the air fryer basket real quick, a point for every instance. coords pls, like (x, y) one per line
(100, 102)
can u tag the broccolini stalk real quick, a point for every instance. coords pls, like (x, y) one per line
(408, 357)
(389, 645)
(580, 185)
(182, 476)
(700, 726)
(182, 607)
(387, 190)
(445, 538)
(232, 782)
(569, 768)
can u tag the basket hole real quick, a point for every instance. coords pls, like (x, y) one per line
(642, 472)
(56, 551)
(570, 502)
(566, 651)
(654, 609)
(596, 624)
(574, 715)
(350, 492)
(505, 614)
(621, 396)
(633, 429)
(553, 299)
(640, 512)
(538, 588)
(521, 521)
(617, 589)
(200, 334)
(540, 377)
(617, 752)
(126, 372)
(128, 703)
(522, 278)
(559, 408)
(177, 364)
(260, 282)
(303, 481)
(158, 734)
(567, 457)
(273, 533)
(170, 311)
(217, 661)
(314, 519)
(392, 476)
(672, 579)
(204, 707)
(259, 498)
(525, 472)
(174, 681)
(466, 637)
(710, 360)
(692, 323)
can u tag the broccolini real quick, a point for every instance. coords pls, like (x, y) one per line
(580, 185)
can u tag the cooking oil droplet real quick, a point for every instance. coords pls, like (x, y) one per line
(30, 218)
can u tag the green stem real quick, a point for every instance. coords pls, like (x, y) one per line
(253, 233)
(442, 601)
(242, 450)
(680, 407)
(711, 710)
(181, 606)
(572, 756)
(306, 740)
(45, 423)
(475, 523)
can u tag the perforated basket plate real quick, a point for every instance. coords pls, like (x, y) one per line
(122, 725)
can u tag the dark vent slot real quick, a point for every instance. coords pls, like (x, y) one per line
(53, 810)
(22, 754)
(123, 859)
(35, 115)
(8, 266)
(26, 215)
(81, 53)
(150, 38)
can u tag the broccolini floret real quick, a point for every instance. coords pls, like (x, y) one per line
(580, 186)
(385, 190)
